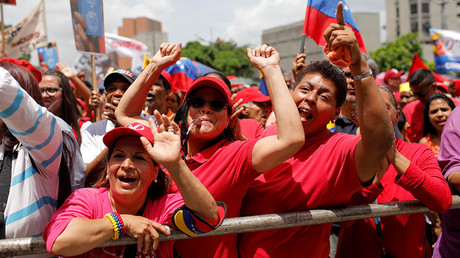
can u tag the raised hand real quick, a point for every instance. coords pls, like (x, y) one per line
(144, 230)
(95, 100)
(109, 111)
(298, 65)
(168, 54)
(65, 69)
(341, 39)
(234, 121)
(166, 149)
(263, 57)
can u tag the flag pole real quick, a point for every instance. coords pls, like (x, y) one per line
(3, 33)
(97, 111)
(302, 42)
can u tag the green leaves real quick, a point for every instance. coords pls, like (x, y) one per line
(224, 56)
(398, 54)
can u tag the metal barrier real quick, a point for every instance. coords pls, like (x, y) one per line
(36, 245)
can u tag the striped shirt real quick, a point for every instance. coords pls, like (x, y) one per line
(33, 194)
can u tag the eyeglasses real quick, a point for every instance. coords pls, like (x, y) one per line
(50, 91)
(215, 104)
(423, 93)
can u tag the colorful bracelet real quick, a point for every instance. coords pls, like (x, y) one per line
(118, 225)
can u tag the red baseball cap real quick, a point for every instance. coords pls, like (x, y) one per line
(214, 83)
(250, 94)
(442, 87)
(132, 129)
(392, 74)
(37, 74)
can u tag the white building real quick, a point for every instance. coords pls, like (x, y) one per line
(286, 39)
(404, 16)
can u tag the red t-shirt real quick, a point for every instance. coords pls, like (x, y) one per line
(403, 235)
(321, 174)
(251, 128)
(225, 169)
(414, 117)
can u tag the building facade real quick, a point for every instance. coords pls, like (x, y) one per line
(405, 16)
(287, 39)
(145, 30)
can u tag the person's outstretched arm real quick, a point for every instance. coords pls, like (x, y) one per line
(166, 151)
(271, 151)
(376, 129)
(132, 103)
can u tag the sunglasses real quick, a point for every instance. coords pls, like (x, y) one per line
(50, 91)
(215, 104)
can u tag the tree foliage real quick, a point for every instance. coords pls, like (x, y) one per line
(398, 54)
(224, 56)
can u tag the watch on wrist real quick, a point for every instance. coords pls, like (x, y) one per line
(363, 75)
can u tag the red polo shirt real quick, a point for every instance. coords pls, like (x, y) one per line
(226, 170)
(321, 174)
(403, 235)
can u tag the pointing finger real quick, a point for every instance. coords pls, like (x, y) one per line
(339, 14)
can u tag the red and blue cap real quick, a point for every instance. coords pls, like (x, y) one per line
(127, 75)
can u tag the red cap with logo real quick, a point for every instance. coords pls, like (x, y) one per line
(132, 129)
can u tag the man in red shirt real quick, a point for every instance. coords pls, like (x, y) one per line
(423, 85)
(413, 173)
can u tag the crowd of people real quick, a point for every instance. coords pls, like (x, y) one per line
(79, 166)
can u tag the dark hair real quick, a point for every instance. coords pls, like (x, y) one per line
(28, 82)
(428, 128)
(222, 77)
(69, 111)
(402, 120)
(422, 77)
(330, 72)
(181, 119)
(390, 93)
(372, 64)
(155, 190)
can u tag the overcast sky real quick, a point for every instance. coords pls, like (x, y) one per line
(239, 20)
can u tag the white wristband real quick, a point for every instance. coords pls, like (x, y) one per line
(363, 75)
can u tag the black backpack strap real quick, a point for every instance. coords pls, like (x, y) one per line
(5, 184)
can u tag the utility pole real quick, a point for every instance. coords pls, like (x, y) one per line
(443, 16)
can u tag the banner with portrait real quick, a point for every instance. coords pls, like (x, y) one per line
(88, 25)
(48, 53)
(446, 50)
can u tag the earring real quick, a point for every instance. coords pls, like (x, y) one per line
(156, 181)
(107, 177)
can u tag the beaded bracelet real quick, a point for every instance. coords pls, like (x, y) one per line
(118, 225)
